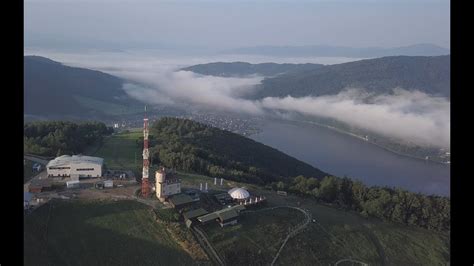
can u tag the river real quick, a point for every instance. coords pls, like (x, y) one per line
(341, 154)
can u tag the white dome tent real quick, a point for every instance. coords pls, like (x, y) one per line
(239, 193)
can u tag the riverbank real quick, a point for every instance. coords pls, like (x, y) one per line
(366, 140)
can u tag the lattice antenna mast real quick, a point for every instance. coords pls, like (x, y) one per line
(146, 154)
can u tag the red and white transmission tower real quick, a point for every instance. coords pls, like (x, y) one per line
(145, 185)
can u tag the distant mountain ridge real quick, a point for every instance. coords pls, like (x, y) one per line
(232, 69)
(51, 88)
(431, 75)
(340, 51)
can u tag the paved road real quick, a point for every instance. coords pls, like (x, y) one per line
(36, 159)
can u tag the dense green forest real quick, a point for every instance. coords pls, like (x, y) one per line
(397, 205)
(54, 138)
(431, 75)
(193, 147)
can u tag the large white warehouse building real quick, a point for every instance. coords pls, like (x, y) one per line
(75, 166)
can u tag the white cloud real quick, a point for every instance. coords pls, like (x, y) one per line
(407, 115)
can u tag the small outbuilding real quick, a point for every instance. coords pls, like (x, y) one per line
(226, 216)
(191, 216)
(108, 183)
(99, 185)
(73, 184)
(39, 185)
(179, 201)
(223, 198)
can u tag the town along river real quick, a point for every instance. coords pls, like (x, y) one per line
(344, 155)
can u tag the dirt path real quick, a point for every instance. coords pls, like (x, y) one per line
(37, 159)
(206, 245)
(378, 246)
(292, 231)
(351, 260)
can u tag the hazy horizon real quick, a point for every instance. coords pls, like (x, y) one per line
(220, 25)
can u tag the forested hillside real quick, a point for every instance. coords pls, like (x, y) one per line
(58, 137)
(391, 204)
(194, 147)
(431, 75)
(51, 88)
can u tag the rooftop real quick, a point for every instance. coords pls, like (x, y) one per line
(194, 213)
(224, 214)
(75, 159)
(180, 199)
(239, 193)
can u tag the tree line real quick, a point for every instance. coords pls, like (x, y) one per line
(55, 138)
(397, 205)
(193, 147)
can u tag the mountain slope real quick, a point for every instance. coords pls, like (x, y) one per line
(339, 51)
(233, 69)
(194, 147)
(428, 74)
(51, 88)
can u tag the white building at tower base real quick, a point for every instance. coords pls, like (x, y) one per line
(75, 166)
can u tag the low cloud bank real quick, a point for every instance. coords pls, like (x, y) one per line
(407, 115)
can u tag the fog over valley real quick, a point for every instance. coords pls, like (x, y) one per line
(408, 115)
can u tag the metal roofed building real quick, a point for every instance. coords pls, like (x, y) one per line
(75, 166)
(223, 198)
(191, 216)
(226, 216)
(180, 201)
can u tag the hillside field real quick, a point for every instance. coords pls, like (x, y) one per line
(120, 151)
(80, 232)
(336, 235)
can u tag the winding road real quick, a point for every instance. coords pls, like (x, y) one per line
(293, 231)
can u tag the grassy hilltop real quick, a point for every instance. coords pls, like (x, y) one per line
(98, 233)
(85, 232)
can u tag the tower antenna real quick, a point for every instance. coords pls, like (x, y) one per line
(145, 185)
